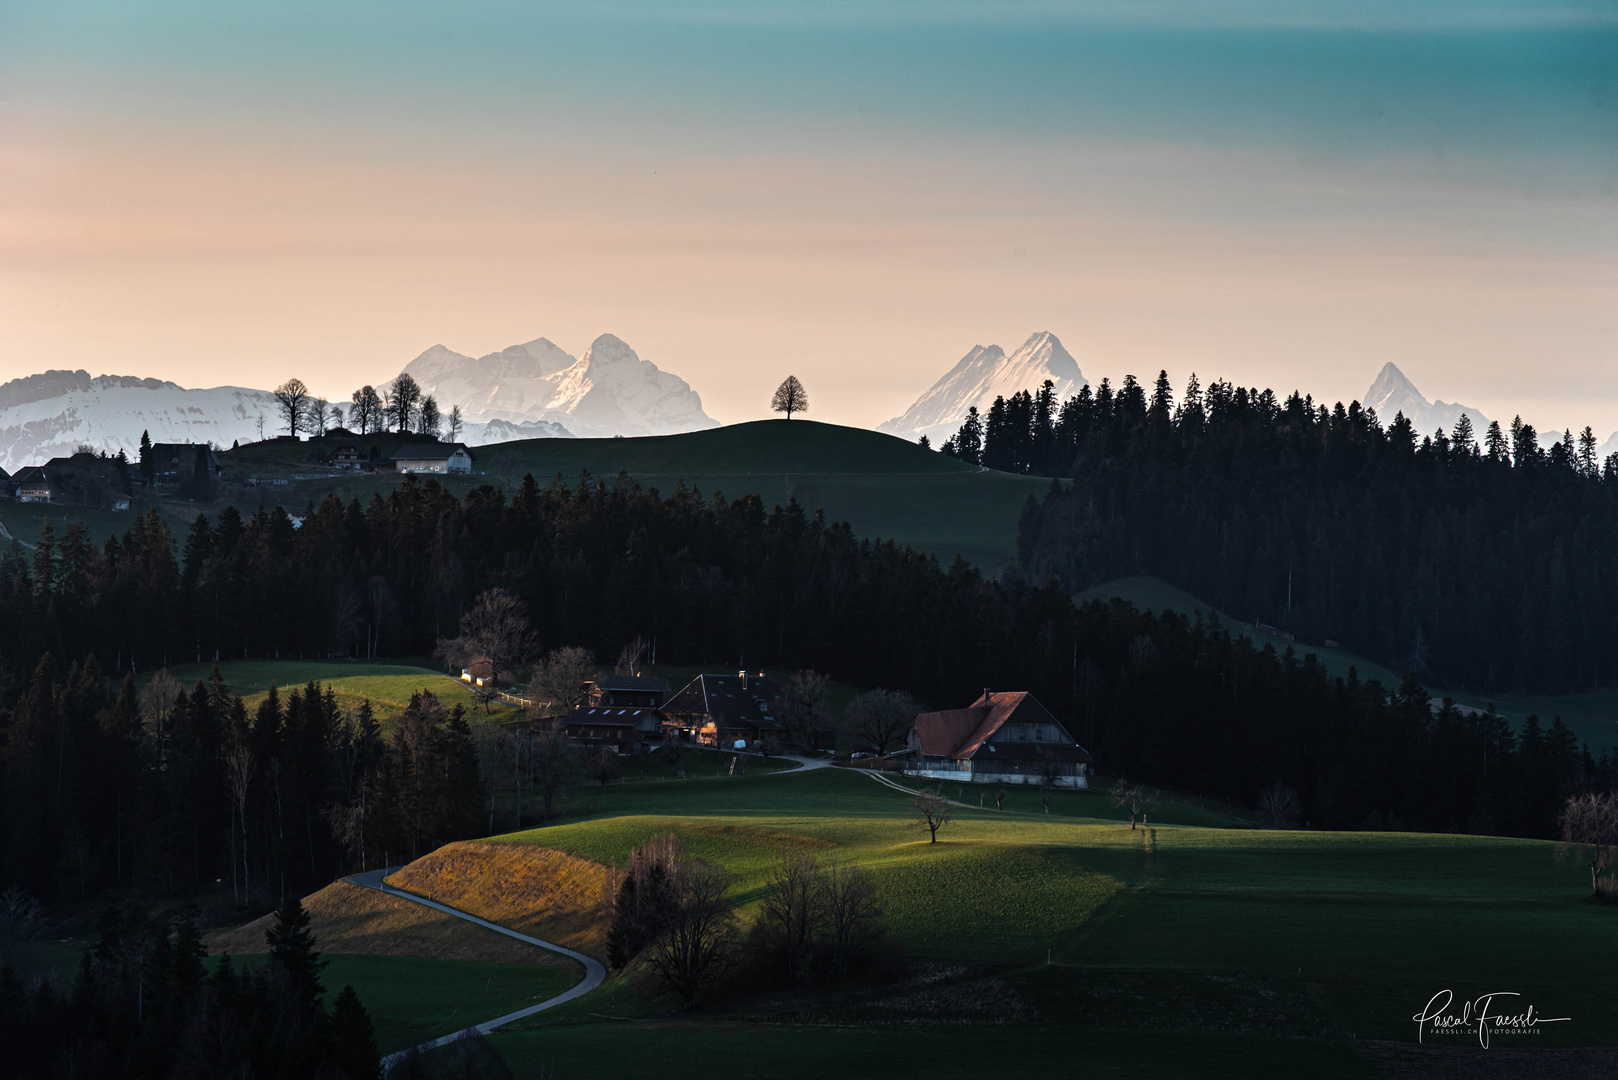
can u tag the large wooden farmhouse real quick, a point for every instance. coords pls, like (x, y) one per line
(726, 711)
(1001, 738)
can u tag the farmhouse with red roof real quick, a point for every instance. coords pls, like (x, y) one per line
(1001, 738)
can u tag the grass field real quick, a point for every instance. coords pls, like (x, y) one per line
(24, 521)
(388, 686)
(1182, 949)
(884, 487)
(412, 1000)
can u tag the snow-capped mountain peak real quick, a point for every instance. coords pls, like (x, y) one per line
(982, 375)
(1392, 393)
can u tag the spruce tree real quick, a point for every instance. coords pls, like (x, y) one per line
(292, 947)
(353, 1040)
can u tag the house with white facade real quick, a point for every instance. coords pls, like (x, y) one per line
(1001, 738)
(453, 458)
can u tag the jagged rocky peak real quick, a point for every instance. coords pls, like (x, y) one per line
(1392, 393)
(984, 373)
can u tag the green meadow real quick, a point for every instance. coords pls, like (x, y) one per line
(388, 686)
(1188, 947)
(884, 487)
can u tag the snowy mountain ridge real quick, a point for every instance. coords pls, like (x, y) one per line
(982, 375)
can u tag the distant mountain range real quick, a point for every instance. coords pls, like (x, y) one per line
(528, 391)
(1391, 393)
(608, 391)
(982, 375)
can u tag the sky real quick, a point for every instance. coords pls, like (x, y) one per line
(1278, 192)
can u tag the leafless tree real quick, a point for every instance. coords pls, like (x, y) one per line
(555, 764)
(20, 919)
(881, 717)
(1133, 798)
(1590, 833)
(561, 679)
(316, 416)
(793, 913)
(790, 397)
(698, 946)
(403, 399)
(632, 657)
(457, 423)
(805, 706)
(427, 418)
(1279, 803)
(853, 917)
(366, 411)
(157, 700)
(604, 768)
(240, 765)
(292, 397)
(495, 628)
(933, 811)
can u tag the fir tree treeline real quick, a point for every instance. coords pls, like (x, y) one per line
(172, 791)
(143, 1004)
(1477, 560)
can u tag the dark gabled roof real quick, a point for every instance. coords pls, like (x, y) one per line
(728, 703)
(644, 684)
(430, 451)
(180, 453)
(612, 716)
(960, 733)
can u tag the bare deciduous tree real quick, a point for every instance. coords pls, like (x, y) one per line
(1134, 799)
(366, 412)
(698, 946)
(496, 629)
(1590, 833)
(932, 811)
(853, 917)
(157, 700)
(292, 397)
(555, 763)
(403, 399)
(632, 657)
(805, 707)
(793, 913)
(1280, 804)
(790, 397)
(881, 717)
(604, 768)
(456, 423)
(560, 679)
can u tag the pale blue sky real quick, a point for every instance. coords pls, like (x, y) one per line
(855, 192)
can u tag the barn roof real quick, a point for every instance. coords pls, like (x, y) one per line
(959, 733)
(430, 452)
(731, 700)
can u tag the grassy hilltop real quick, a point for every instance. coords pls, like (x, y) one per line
(1194, 947)
(884, 487)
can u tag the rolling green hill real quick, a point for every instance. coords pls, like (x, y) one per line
(1187, 949)
(884, 487)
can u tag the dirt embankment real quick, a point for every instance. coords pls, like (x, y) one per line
(548, 894)
(352, 919)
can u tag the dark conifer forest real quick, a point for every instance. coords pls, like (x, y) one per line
(1476, 560)
(286, 796)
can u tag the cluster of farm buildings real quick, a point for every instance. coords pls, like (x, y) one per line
(107, 483)
(1004, 737)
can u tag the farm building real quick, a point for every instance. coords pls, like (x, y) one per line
(175, 462)
(1001, 738)
(733, 712)
(623, 731)
(433, 458)
(627, 691)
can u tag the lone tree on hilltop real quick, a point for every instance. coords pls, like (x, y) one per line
(790, 397)
(293, 397)
(1280, 804)
(932, 810)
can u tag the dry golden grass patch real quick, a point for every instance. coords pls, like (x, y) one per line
(537, 890)
(352, 919)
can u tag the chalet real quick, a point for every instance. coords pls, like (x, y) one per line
(348, 455)
(623, 731)
(733, 712)
(632, 691)
(42, 484)
(729, 711)
(1001, 738)
(433, 458)
(173, 463)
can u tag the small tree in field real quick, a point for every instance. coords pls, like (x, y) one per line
(1590, 833)
(790, 397)
(1133, 798)
(932, 811)
(603, 768)
(1279, 803)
